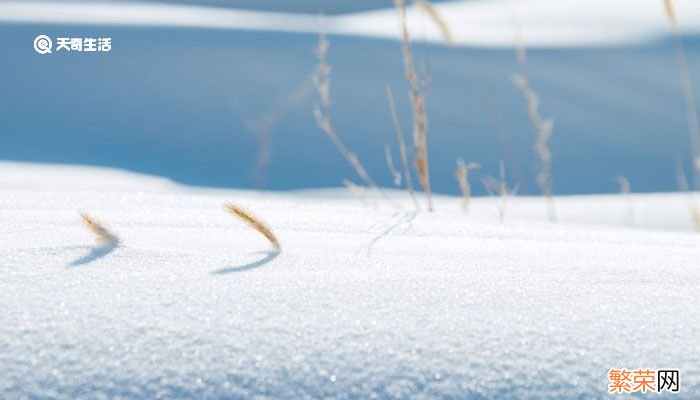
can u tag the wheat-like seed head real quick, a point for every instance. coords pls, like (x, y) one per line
(104, 236)
(439, 21)
(254, 222)
(420, 122)
(671, 13)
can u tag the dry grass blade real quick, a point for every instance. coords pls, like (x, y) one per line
(462, 175)
(624, 183)
(543, 130)
(104, 236)
(402, 146)
(321, 80)
(355, 189)
(254, 222)
(264, 125)
(543, 126)
(438, 20)
(688, 94)
(626, 190)
(499, 187)
(395, 175)
(671, 13)
(503, 190)
(420, 121)
(692, 207)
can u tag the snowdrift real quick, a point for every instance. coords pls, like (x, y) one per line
(364, 300)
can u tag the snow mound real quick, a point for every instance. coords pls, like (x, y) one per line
(364, 301)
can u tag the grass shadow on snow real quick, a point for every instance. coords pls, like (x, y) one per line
(405, 219)
(269, 256)
(95, 253)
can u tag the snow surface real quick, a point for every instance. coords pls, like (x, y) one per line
(482, 23)
(364, 301)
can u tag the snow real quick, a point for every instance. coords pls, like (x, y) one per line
(364, 300)
(544, 23)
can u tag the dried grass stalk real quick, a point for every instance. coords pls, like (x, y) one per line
(462, 175)
(321, 80)
(543, 129)
(438, 20)
(420, 122)
(626, 190)
(355, 189)
(264, 125)
(499, 187)
(104, 236)
(503, 190)
(692, 206)
(688, 94)
(671, 13)
(402, 146)
(395, 175)
(254, 222)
